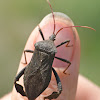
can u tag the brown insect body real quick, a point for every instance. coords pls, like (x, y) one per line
(37, 74)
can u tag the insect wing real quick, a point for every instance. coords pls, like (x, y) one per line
(38, 76)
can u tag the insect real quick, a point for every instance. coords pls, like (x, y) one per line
(37, 74)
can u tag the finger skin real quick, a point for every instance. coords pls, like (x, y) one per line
(69, 82)
(87, 90)
(93, 92)
(6, 97)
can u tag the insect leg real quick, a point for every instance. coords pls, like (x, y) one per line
(54, 95)
(30, 51)
(18, 87)
(41, 32)
(64, 60)
(67, 41)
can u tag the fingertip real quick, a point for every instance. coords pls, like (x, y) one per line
(72, 54)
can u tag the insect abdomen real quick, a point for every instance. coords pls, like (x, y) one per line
(38, 74)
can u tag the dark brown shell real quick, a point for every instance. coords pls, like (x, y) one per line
(37, 74)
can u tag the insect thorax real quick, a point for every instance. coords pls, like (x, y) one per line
(46, 46)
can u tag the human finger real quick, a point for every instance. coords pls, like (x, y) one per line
(69, 82)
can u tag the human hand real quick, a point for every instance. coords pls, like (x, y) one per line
(86, 90)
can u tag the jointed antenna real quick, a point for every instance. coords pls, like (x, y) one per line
(74, 26)
(52, 15)
(63, 27)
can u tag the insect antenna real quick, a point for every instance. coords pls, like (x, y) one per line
(74, 26)
(52, 15)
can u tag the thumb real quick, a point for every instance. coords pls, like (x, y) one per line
(72, 54)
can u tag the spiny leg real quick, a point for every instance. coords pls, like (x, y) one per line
(54, 94)
(18, 87)
(64, 60)
(30, 51)
(41, 32)
(67, 41)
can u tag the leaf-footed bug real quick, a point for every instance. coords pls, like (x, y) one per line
(37, 74)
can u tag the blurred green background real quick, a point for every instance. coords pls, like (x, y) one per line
(19, 17)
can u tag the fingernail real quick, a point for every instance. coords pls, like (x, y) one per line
(47, 26)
